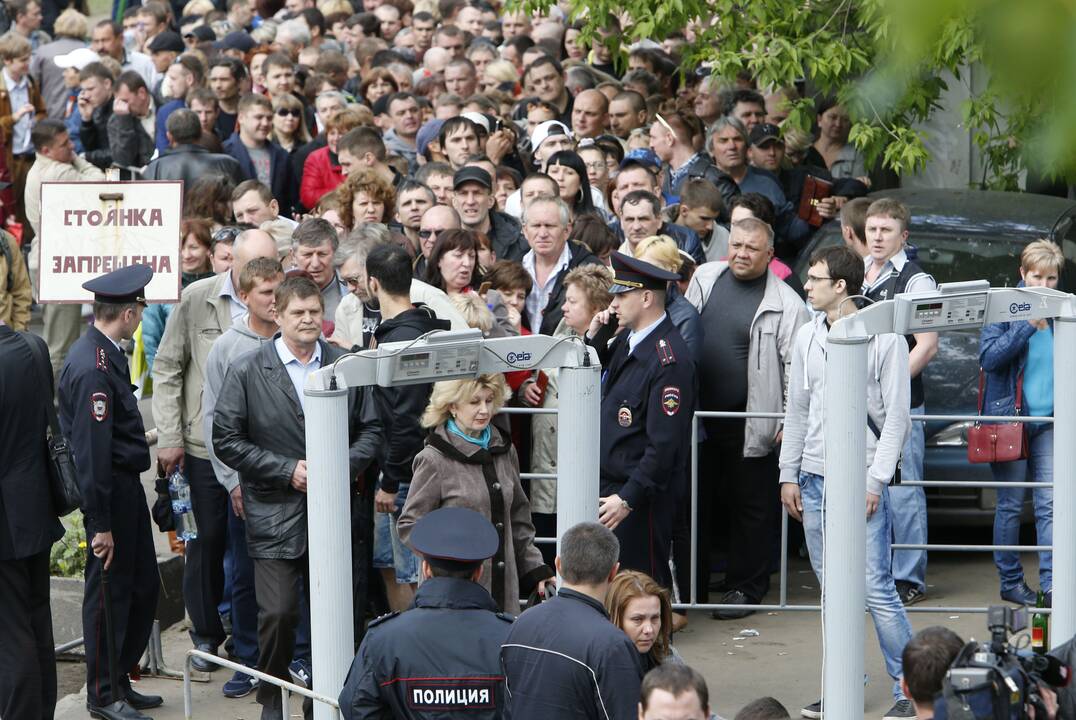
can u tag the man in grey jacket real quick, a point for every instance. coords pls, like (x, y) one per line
(259, 431)
(258, 282)
(749, 317)
(835, 274)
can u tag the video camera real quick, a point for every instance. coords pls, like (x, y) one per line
(996, 681)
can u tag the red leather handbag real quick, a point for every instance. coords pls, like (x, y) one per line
(998, 442)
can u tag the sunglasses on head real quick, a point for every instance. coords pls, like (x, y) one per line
(286, 112)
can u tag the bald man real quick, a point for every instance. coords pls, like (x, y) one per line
(207, 308)
(590, 114)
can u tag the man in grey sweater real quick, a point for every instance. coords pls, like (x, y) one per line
(257, 282)
(836, 274)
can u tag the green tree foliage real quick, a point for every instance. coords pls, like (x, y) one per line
(888, 60)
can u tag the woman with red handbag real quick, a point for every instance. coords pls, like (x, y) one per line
(1017, 359)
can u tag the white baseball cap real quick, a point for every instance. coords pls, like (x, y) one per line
(77, 58)
(543, 130)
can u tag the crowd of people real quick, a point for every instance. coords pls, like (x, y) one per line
(361, 172)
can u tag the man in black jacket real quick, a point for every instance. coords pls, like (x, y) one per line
(28, 528)
(259, 431)
(565, 654)
(130, 129)
(95, 108)
(187, 161)
(388, 273)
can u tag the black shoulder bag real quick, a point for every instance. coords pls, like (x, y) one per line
(63, 482)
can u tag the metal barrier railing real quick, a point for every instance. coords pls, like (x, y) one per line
(783, 603)
(286, 688)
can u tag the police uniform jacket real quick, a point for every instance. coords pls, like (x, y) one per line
(259, 430)
(439, 659)
(648, 398)
(100, 418)
(564, 660)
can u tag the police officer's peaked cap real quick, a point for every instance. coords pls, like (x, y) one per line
(633, 274)
(456, 534)
(126, 285)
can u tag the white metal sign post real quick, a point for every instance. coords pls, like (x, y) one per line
(952, 306)
(88, 229)
(439, 356)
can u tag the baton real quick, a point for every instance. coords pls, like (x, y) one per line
(110, 638)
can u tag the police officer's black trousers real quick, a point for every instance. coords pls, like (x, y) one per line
(134, 584)
(742, 495)
(645, 535)
(27, 660)
(203, 569)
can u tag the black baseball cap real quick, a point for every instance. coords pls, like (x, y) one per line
(236, 40)
(166, 41)
(472, 173)
(765, 133)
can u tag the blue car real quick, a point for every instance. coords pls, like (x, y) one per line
(966, 235)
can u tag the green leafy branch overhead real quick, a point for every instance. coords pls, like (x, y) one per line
(889, 61)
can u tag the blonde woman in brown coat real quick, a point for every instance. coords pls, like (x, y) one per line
(467, 462)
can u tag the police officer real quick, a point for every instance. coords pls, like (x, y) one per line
(99, 416)
(441, 658)
(648, 397)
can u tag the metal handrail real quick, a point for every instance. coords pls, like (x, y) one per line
(285, 687)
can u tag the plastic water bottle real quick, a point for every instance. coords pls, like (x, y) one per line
(180, 492)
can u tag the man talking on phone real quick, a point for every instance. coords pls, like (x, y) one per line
(648, 398)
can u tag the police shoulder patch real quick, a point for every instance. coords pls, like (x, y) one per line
(382, 618)
(670, 400)
(102, 360)
(99, 406)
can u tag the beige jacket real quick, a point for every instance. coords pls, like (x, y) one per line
(46, 170)
(349, 313)
(769, 355)
(201, 316)
(14, 299)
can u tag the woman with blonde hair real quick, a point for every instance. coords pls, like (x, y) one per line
(469, 463)
(641, 608)
(289, 123)
(500, 75)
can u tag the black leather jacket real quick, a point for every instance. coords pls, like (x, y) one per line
(260, 432)
(94, 136)
(132, 146)
(190, 162)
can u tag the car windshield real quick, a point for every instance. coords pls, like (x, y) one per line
(952, 258)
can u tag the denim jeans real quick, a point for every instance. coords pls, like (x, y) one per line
(890, 619)
(909, 506)
(1039, 467)
(389, 550)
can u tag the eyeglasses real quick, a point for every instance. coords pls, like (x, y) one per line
(286, 112)
(226, 234)
(427, 234)
(816, 278)
(596, 165)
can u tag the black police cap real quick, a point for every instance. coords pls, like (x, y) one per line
(633, 274)
(456, 534)
(126, 285)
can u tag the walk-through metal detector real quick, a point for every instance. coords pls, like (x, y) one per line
(953, 306)
(434, 357)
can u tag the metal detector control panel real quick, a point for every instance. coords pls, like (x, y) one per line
(443, 357)
(951, 307)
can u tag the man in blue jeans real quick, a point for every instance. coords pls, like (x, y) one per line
(891, 268)
(835, 274)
